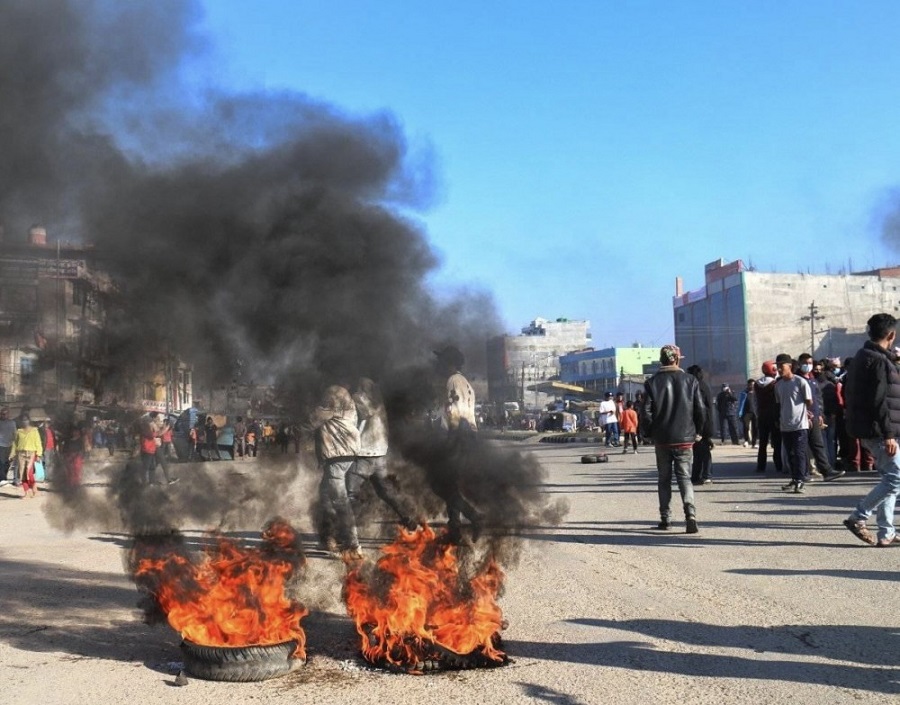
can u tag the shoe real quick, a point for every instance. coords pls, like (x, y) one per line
(691, 526)
(833, 475)
(4, 482)
(884, 543)
(815, 475)
(859, 530)
(664, 525)
(788, 486)
(625, 450)
(706, 481)
(352, 555)
(798, 488)
(746, 445)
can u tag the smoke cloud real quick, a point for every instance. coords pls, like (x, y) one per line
(258, 234)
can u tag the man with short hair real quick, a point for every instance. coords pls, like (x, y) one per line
(815, 439)
(873, 416)
(672, 414)
(726, 403)
(794, 399)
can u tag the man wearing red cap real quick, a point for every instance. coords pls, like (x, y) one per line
(673, 414)
(768, 426)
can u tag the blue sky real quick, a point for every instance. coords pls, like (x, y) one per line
(589, 152)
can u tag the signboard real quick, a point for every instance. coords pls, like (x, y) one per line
(150, 405)
(33, 268)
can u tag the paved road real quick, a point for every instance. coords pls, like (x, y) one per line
(773, 602)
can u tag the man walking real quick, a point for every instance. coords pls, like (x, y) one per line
(794, 398)
(701, 470)
(672, 414)
(872, 395)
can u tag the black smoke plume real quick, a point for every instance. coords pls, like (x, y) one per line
(250, 231)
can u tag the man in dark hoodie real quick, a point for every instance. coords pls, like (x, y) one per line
(701, 471)
(673, 412)
(767, 418)
(873, 416)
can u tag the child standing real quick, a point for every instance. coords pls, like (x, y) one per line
(629, 427)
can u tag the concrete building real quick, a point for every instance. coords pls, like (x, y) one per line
(610, 369)
(55, 304)
(516, 362)
(740, 317)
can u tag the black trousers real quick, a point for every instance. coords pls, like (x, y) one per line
(817, 449)
(769, 433)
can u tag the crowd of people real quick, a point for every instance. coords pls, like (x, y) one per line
(820, 419)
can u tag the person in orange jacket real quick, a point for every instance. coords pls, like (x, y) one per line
(629, 426)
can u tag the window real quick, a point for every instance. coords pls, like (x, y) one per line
(28, 370)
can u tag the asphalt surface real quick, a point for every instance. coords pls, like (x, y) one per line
(774, 601)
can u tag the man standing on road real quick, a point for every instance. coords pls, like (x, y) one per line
(7, 435)
(726, 403)
(701, 471)
(672, 414)
(767, 418)
(815, 438)
(872, 393)
(609, 420)
(794, 399)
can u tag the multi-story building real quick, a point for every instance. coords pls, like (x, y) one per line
(55, 305)
(609, 369)
(740, 317)
(517, 362)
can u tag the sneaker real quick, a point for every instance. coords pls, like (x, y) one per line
(4, 482)
(884, 543)
(815, 475)
(788, 486)
(833, 475)
(706, 481)
(859, 530)
(624, 450)
(798, 488)
(691, 526)
(664, 525)
(746, 444)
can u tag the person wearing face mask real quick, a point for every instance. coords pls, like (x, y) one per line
(815, 438)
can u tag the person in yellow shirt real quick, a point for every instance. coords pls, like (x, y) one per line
(27, 448)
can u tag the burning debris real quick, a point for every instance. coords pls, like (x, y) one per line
(229, 603)
(418, 608)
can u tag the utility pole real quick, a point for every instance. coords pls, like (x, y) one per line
(812, 318)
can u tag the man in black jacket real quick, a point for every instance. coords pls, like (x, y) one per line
(872, 397)
(672, 414)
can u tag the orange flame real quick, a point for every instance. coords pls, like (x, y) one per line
(415, 598)
(228, 596)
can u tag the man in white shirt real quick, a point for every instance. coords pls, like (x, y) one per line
(609, 420)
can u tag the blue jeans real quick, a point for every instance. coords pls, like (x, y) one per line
(612, 433)
(675, 461)
(883, 496)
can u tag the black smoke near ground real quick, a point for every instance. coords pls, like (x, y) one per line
(260, 231)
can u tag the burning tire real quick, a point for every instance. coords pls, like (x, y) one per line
(595, 458)
(240, 664)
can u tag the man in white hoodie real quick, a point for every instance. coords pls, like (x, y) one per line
(371, 460)
(337, 445)
(462, 431)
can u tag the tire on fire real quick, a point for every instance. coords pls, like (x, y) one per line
(239, 664)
